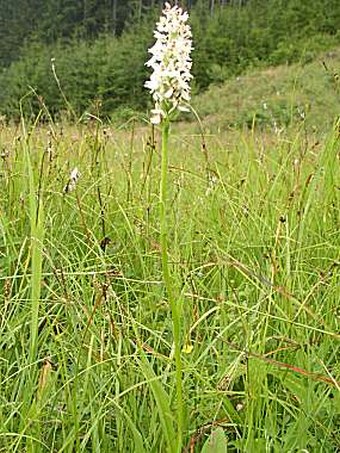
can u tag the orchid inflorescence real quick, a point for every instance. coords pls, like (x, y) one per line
(171, 64)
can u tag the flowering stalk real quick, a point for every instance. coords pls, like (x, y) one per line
(170, 89)
(169, 83)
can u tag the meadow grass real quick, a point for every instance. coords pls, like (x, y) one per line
(87, 353)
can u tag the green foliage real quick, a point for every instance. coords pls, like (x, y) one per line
(254, 247)
(216, 443)
(97, 78)
(50, 21)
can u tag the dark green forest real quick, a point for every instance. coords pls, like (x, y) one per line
(69, 57)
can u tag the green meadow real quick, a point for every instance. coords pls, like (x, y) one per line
(86, 332)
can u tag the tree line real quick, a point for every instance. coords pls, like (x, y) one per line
(50, 20)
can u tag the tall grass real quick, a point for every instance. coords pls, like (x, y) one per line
(87, 360)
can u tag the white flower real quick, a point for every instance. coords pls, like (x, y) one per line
(169, 83)
(74, 176)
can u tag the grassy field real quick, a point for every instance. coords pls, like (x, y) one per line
(305, 93)
(86, 334)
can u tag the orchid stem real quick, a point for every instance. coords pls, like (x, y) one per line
(174, 304)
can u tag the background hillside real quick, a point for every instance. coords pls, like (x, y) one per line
(306, 93)
(70, 57)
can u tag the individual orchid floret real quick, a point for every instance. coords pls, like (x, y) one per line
(169, 83)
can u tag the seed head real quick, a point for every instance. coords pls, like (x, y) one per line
(171, 64)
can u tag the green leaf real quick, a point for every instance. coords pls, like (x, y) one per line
(163, 403)
(216, 443)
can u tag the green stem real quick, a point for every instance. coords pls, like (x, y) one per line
(37, 234)
(174, 305)
(36, 248)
